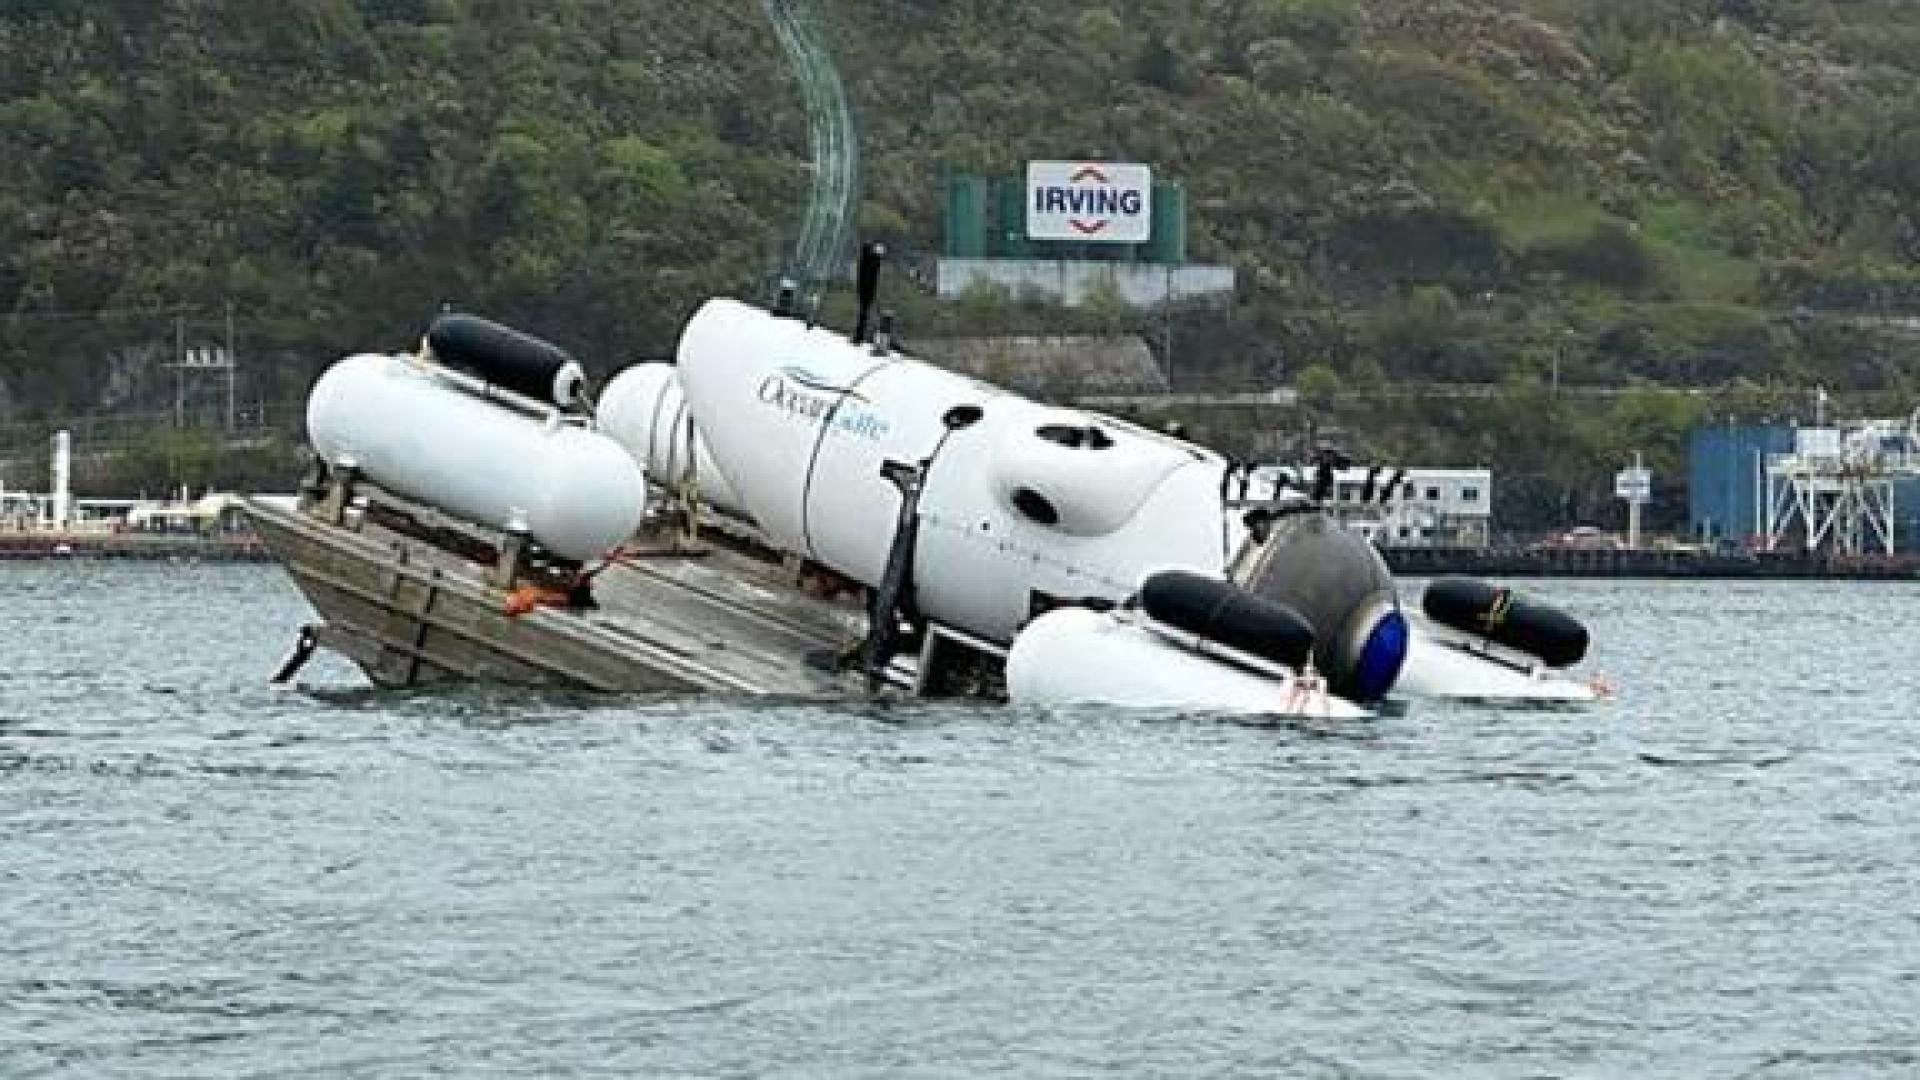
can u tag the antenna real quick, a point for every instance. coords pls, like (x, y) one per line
(867, 284)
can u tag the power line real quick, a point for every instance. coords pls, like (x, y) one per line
(210, 315)
(82, 314)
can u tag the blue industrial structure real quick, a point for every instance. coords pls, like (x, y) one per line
(1906, 513)
(1726, 485)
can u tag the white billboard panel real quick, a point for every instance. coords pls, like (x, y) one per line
(1633, 485)
(1100, 202)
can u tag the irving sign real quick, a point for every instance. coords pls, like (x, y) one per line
(1095, 201)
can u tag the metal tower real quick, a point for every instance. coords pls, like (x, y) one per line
(1835, 492)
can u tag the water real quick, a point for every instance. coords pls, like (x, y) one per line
(204, 875)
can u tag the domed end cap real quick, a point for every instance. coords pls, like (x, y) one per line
(1382, 653)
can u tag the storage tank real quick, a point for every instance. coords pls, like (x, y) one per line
(1167, 244)
(62, 479)
(966, 224)
(1726, 466)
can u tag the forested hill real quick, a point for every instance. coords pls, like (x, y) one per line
(1669, 190)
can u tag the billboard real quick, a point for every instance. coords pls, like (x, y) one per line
(1100, 202)
(1633, 485)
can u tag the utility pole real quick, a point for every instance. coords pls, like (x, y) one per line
(233, 360)
(1633, 508)
(1167, 314)
(179, 370)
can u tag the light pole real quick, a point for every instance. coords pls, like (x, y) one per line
(1559, 350)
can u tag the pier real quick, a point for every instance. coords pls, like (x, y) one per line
(1542, 562)
(236, 547)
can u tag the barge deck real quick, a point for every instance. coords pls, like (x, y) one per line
(414, 597)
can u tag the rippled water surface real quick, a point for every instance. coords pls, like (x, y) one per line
(204, 875)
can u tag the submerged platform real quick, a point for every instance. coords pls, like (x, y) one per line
(413, 597)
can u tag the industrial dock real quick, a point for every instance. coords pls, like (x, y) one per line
(1562, 562)
(161, 547)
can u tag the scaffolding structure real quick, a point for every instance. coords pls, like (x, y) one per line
(1835, 492)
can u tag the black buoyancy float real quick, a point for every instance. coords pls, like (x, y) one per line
(1505, 618)
(1224, 613)
(507, 358)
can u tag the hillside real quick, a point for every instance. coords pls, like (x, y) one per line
(1673, 192)
(1457, 190)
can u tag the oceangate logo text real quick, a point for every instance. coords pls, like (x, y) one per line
(801, 393)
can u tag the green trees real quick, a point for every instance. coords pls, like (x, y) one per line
(1670, 191)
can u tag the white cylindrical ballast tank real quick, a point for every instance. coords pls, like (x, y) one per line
(1076, 656)
(576, 492)
(643, 410)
